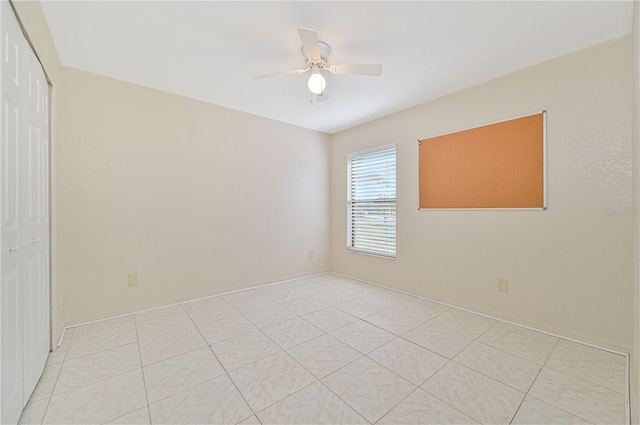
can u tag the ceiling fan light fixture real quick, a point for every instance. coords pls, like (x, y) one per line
(316, 54)
(316, 82)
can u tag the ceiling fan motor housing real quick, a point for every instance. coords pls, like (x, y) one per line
(321, 62)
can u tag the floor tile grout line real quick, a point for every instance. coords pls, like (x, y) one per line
(226, 372)
(478, 340)
(431, 349)
(504, 352)
(472, 417)
(410, 342)
(44, 414)
(144, 380)
(398, 404)
(343, 400)
(424, 348)
(174, 356)
(316, 379)
(142, 366)
(515, 413)
(452, 359)
(419, 387)
(286, 397)
(341, 367)
(331, 373)
(365, 282)
(542, 366)
(118, 316)
(338, 395)
(215, 320)
(158, 334)
(138, 320)
(484, 375)
(91, 383)
(386, 368)
(579, 377)
(527, 394)
(564, 372)
(396, 335)
(97, 381)
(50, 395)
(620, 353)
(290, 320)
(494, 379)
(555, 407)
(252, 361)
(120, 344)
(286, 349)
(199, 384)
(349, 364)
(332, 330)
(273, 340)
(232, 337)
(282, 351)
(101, 350)
(583, 380)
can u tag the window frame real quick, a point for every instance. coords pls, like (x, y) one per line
(351, 202)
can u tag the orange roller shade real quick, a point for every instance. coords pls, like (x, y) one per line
(500, 165)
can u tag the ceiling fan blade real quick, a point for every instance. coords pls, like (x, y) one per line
(278, 74)
(356, 69)
(309, 40)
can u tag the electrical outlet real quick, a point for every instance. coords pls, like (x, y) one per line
(503, 285)
(132, 279)
(310, 255)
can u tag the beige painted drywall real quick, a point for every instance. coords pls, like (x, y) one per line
(634, 370)
(34, 24)
(549, 86)
(196, 199)
(37, 29)
(570, 267)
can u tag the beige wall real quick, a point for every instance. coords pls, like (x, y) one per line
(127, 161)
(196, 199)
(570, 267)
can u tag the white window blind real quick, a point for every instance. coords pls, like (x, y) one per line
(371, 202)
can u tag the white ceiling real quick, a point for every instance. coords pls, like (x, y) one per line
(209, 50)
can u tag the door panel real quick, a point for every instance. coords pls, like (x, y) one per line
(12, 326)
(36, 318)
(36, 285)
(36, 225)
(12, 344)
(10, 120)
(24, 220)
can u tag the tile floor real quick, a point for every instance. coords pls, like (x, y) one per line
(323, 350)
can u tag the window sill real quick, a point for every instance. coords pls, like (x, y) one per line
(371, 254)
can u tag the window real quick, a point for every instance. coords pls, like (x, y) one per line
(371, 204)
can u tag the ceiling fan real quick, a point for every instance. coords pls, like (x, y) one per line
(316, 54)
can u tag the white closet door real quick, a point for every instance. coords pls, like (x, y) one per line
(36, 222)
(24, 218)
(12, 342)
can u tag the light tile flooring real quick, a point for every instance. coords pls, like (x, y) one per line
(323, 350)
